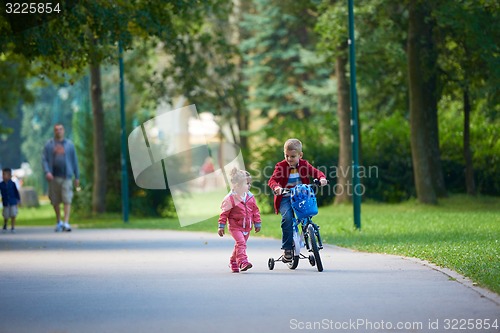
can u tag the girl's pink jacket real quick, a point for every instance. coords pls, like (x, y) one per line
(240, 214)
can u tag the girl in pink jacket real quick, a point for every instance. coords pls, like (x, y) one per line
(240, 210)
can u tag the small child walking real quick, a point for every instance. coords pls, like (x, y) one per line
(240, 211)
(10, 199)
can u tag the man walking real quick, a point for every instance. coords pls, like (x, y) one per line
(60, 165)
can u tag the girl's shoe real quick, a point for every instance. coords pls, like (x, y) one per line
(234, 266)
(245, 266)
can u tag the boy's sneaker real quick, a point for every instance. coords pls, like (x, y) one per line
(288, 256)
(245, 266)
(234, 266)
(66, 226)
(59, 226)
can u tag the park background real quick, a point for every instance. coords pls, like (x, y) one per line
(264, 71)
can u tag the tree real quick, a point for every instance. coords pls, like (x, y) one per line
(87, 34)
(422, 80)
(289, 82)
(14, 72)
(332, 26)
(468, 62)
(456, 51)
(206, 67)
(380, 61)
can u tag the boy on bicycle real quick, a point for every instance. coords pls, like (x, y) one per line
(292, 171)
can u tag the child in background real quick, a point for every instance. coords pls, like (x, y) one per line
(292, 171)
(240, 210)
(10, 199)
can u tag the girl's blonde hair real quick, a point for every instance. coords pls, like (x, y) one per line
(239, 176)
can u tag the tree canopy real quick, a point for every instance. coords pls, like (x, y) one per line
(428, 75)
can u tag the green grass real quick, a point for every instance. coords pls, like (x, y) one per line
(461, 233)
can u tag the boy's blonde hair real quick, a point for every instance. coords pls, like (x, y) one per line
(293, 144)
(239, 176)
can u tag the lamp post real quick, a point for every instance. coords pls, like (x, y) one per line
(356, 196)
(125, 205)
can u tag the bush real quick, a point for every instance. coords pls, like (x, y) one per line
(386, 146)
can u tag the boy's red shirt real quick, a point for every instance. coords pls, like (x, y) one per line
(282, 172)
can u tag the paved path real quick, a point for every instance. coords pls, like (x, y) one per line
(166, 281)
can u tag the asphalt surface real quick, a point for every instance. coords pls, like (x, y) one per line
(167, 281)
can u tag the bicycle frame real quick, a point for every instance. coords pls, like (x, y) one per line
(302, 239)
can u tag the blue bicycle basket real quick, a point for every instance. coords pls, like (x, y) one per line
(303, 201)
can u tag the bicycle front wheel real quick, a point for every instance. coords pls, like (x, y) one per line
(315, 247)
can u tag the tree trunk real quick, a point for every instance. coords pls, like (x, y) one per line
(343, 190)
(99, 183)
(421, 82)
(469, 170)
(242, 118)
(242, 127)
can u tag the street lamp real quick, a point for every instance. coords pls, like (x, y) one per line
(125, 205)
(356, 196)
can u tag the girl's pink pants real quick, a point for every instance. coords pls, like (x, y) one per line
(240, 247)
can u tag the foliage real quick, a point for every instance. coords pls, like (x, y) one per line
(290, 86)
(386, 147)
(14, 71)
(94, 27)
(205, 67)
(470, 52)
(87, 34)
(383, 95)
(485, 143)
(271, 73)
(282, 67)
(142, 202)
(70, 105)
(54, 104)
(469, 64)
(380, 52)
(10, 140)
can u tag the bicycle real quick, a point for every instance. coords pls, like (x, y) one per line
(304, 205)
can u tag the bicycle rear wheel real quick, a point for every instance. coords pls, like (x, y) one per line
(294, 263)
(314, 247)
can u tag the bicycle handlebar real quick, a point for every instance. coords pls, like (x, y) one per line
(315, 182)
